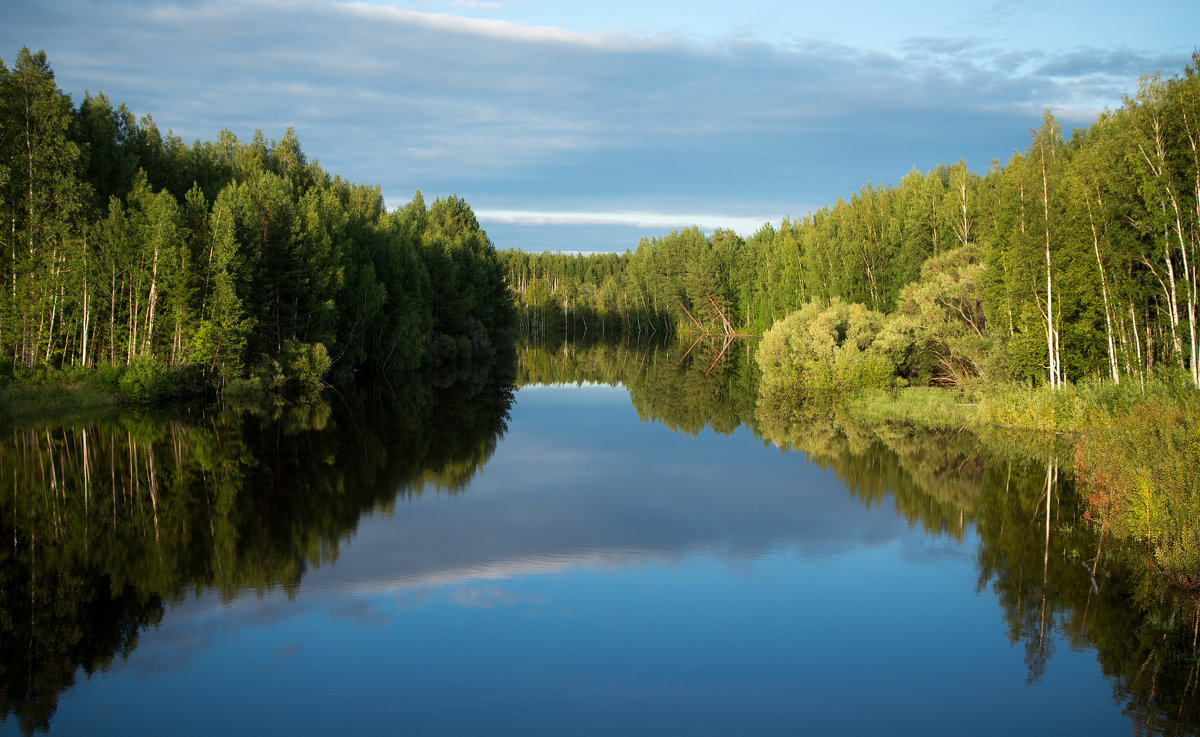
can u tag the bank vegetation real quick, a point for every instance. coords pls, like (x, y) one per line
(1057, 291)
(148, 267)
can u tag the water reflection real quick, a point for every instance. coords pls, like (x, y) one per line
(1049, 569)
(113, 521)
(581, 532)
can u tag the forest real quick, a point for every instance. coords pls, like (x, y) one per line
(1076, 258)
(227, 262)
(169, 268)
(1055, 292)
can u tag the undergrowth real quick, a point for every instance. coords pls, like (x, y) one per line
(1137, 450)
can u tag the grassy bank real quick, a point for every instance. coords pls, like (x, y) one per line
(295, 375)
(27, 401)
(51, 392)
(1137, 450)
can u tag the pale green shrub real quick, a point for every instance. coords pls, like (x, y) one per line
(823, 350)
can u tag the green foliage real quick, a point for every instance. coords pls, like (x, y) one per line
(308, 364)
(938, 333)
(299, 370)
(213, 262)
(920, 406)
(145, 380)
(1136, 451)
(1141, 472)
(1073, 250)
(824, 350)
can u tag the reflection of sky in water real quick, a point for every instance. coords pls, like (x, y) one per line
(578, 477)
(604, 576)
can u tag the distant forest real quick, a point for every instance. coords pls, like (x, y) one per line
(242, 263)
(220, 263)
(1077, 258)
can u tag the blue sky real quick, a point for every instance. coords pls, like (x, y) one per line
(584, 125)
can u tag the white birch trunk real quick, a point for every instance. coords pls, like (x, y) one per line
(1051, 338)
(153, 299)
(1108, 328)
(84, 337)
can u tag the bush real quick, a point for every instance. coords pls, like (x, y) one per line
(305, 365)
(298, 371)
(827, 350)
(247, 390)
(145, 380)
(106, 377)
(937, 333)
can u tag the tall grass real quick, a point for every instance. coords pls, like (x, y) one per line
(1141, 476)
(1137, 450)
(922, 406)
(47, 391)
(1074, 408)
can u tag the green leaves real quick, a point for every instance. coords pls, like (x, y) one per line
(228, 259)
(823, 351)
(939, 333)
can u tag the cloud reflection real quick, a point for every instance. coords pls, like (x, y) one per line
(578, 491)
(575, 483)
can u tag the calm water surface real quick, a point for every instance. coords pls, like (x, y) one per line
(574, 568)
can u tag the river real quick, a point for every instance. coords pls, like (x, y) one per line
(607, 540)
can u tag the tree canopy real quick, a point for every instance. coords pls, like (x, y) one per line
(1075, 258)
(221, 263)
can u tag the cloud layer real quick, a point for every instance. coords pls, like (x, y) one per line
(537, 122)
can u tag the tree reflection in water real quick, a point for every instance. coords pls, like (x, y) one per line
(112, 521)
(1054, 574)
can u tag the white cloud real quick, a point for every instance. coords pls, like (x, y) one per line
(477, 5)
(502, 29)
(740, 224)
(548, 124)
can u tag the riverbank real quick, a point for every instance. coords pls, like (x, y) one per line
(20, 402)
(1136, 451)
(51, 393)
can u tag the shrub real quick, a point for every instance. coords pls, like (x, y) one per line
(305, 365)
(298, 371)
(106, 377)
(244, 390)
(145, 380)
(937, 333)
(826, 350)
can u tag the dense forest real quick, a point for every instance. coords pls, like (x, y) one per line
(234, 262)
(219, 265)
(1077, 258)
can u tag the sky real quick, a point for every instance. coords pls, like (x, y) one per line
(583, 126)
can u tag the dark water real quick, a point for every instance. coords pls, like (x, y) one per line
(559, 559)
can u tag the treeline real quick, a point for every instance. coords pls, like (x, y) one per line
(1080, 255)
(219, 264)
